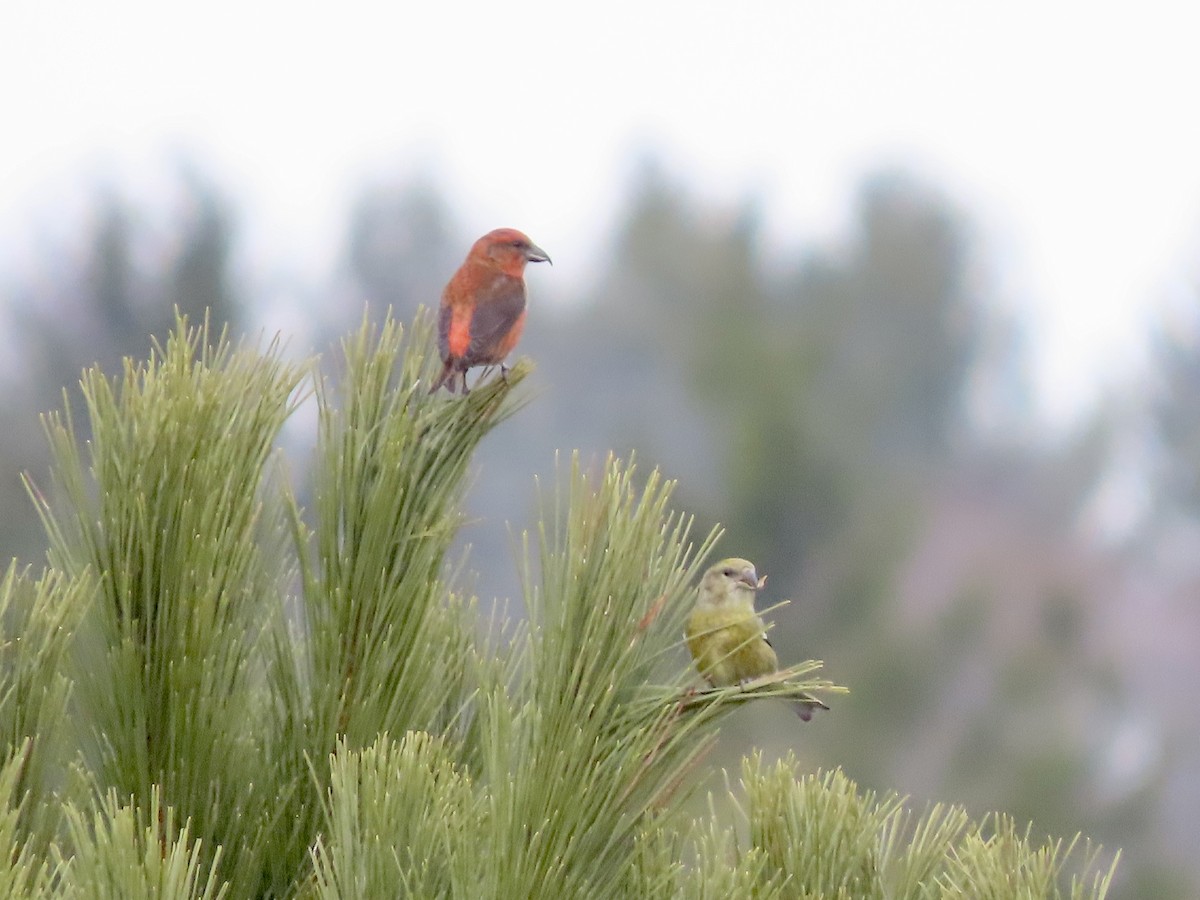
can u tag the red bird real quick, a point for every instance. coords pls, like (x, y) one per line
(483, 306)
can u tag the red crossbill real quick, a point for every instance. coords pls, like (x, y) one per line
(726, 636)
(483, 305)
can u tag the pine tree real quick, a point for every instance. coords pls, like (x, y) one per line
(270, 701)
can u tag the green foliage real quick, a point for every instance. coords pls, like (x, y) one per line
(569, 710)
(170, 520)
(392, 465)
(128, 853)
(24, 871)
(96, 293)
(826, 838)
(379, 643)
(588, 721)
(400, 816)
(240, 665)
(37, 620)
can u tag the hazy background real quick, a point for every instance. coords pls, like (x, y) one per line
(907, 297)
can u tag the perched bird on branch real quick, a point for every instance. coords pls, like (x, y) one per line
(482, 311)
(726, 637)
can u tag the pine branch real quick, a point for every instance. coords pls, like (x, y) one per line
(168, 514)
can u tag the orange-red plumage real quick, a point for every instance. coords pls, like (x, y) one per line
(482, 312)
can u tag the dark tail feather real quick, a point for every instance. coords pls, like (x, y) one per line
(804, 708)
(446, 378)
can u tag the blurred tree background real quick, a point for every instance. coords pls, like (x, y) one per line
(835, 408)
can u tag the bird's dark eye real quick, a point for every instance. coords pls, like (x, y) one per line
(518, 244)
(728, 573)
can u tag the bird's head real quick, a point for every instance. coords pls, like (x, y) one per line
(730, 579)
(509, 250)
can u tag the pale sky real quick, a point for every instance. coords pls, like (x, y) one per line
(1070, 132)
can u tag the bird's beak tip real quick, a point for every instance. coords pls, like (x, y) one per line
(537, 254)
(750, 577)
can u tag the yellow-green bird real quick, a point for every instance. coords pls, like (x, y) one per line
(726, 637)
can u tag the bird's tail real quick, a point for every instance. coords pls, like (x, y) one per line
(804, 708)
(446, 378)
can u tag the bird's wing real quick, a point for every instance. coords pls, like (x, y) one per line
(445, 316)
(493, 318)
